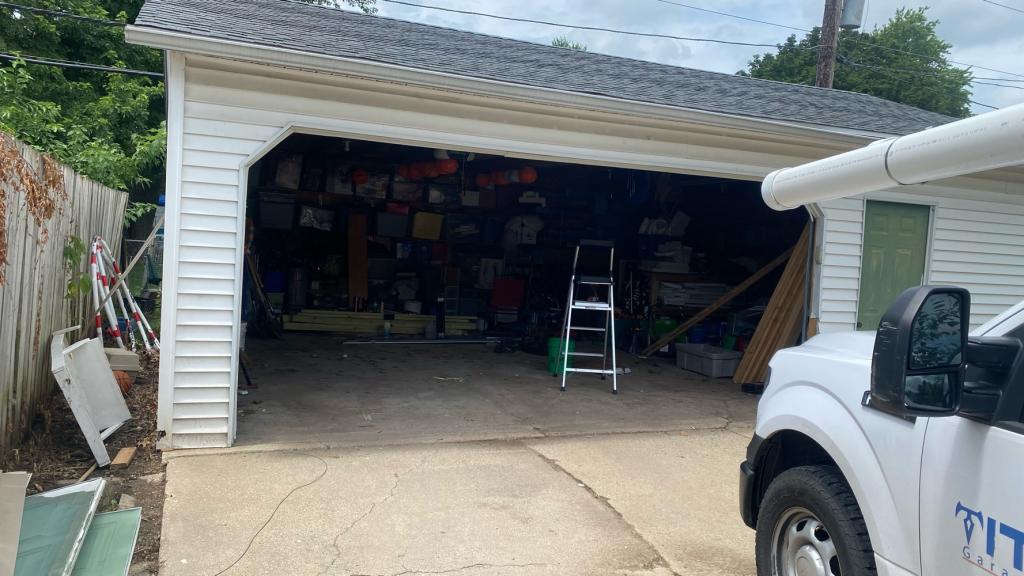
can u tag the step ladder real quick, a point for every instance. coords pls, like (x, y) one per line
(582, 302)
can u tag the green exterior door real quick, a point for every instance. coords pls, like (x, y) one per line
(895, 246)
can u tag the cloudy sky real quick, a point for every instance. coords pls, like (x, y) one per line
(982, 33)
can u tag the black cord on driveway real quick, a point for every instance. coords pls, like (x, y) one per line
(276, 508)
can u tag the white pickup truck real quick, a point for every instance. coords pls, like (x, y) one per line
(901, 452)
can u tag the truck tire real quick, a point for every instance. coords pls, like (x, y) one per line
(809, 524)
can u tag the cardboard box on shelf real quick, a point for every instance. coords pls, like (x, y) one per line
(427, 225)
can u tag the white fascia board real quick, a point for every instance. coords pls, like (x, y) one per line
(232, 49)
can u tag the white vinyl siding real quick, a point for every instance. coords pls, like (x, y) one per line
(981, 248)
(976, 243)
(208, 270)
(842, 244)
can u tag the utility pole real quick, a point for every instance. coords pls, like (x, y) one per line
(829, 43)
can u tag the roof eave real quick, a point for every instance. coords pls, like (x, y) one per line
(233, 49)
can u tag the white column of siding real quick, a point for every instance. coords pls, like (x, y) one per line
(843, 240)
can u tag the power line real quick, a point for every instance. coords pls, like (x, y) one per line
(577, 27)
(998, 79)
(737, 16)
(60, 14)
(999, 85)
(78, 65)
(846, 62)
(683, 5)
(1014, 8)
(856, 40)
(930, 58)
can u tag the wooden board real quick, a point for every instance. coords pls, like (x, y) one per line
(780, 325)
(725, 298)
(124, 458)
(372, 323)
(358, 264)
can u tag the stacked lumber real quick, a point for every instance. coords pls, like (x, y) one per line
(372, 323)
(780, 325)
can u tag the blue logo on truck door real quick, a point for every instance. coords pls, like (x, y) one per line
(995, 534)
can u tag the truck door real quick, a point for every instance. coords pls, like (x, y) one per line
(972, 492)
(972, 498)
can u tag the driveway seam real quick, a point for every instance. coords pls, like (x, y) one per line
(725, 424)
(660, 559)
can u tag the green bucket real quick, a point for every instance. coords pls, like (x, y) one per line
(556, 346)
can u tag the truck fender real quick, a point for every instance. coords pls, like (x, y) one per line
(826, 419)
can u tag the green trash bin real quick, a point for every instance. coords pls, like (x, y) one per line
(555, 348)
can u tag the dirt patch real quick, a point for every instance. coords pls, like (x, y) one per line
(57, 455)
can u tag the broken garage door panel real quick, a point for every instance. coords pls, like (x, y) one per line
(110, 543)
(85, 378)
(53, 528)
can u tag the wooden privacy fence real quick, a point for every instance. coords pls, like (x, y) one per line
(43, 205)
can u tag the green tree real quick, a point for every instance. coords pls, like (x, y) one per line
(107, 126)
(903, 61)
(563, 42)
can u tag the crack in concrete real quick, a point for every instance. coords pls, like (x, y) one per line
(659, 559)
(363, 516)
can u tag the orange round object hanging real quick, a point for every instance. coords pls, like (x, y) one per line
(416, 171)
(527, 174)
(483, 180)
(360, 176)
(430, 170)
(500, 178)
(448, 166)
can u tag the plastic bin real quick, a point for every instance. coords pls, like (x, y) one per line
(707, 360)
(556, 346)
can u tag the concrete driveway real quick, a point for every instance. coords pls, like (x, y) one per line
(635, 503)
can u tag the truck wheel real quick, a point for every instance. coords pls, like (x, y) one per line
(809, 524)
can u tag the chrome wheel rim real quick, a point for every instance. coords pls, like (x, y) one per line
(802, 546)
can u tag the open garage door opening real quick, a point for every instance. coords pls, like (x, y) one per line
(397, 293)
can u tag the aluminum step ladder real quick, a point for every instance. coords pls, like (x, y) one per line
(578, 302)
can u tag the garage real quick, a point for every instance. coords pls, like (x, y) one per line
(406, 288)
(403, 216)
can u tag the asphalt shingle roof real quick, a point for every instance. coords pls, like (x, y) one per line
(319, 30)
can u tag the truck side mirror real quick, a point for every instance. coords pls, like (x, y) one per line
(917, 368)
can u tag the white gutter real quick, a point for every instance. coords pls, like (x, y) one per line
(260, 54)
(986, 142)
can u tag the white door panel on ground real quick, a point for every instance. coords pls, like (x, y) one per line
(972, 513)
